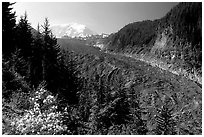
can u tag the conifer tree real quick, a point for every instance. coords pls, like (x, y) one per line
(36, 60)
(55, 72)
(49, 60)
(166, 125)
(24, 42)
(8, 29)
(24, 36)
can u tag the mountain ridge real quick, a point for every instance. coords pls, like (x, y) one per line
(71, 30)
(173, 42)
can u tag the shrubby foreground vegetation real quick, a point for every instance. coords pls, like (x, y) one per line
(47, 90)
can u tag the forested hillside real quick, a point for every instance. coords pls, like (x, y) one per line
(173, 42)
(68, 87)
(34, 68)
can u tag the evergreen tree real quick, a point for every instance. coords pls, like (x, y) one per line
(8, 29)
(12, 75)
(24, 36)
(69, 82)
(49, 53)
(60, 79)
(36, 59)
(166, 125)
(121, 111)
(24, 41)
(138, 122)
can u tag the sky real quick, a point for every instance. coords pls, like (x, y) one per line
(101, 17)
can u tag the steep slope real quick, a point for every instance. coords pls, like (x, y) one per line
(133, 36)
(72, 30)
(173, 42)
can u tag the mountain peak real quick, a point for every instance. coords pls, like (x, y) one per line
(71, 30)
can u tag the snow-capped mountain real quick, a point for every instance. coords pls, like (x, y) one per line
(72, 30)
(104, 35)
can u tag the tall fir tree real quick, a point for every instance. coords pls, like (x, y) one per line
(24, 37)
(8, 29)
(24, 41)
(61, 78)
(50, 55)
(36, 60)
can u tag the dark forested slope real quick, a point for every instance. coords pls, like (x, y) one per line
(175, 40)
(133, 36)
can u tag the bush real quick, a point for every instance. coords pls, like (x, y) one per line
(41, 119)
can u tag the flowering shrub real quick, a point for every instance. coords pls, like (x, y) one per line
(43, 117)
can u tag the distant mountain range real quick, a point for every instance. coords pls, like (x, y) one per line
(73, 30)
